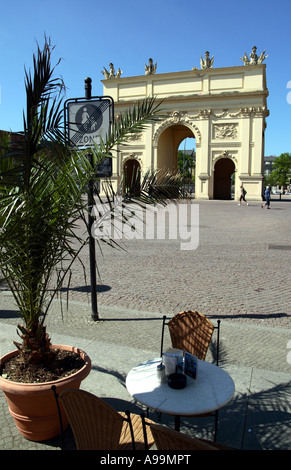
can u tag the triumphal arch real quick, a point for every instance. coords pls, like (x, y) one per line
(224, 109)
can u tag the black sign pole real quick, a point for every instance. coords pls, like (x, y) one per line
(92, 252)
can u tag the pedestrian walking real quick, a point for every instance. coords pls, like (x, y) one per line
(267, 198)
(242, 195)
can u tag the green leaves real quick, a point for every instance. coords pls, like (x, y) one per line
(281, 172)
(42, 189)
(129, 124)
(42, 185)
(40, 198)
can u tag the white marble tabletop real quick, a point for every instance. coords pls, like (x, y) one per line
(212, 389)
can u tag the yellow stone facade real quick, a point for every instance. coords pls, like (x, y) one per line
(224, 109)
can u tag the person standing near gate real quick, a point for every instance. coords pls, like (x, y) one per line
(267, 198)
(242, 195)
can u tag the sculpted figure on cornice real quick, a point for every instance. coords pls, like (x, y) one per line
(206, 63)
(111, 73)
(151, 68)
(254, 59)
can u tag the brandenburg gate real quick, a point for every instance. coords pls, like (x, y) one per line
(224, 109)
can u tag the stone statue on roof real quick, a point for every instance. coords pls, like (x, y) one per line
(253, 56)
(111, 73)
(206, 63)
(151, 68)
(262, 57)
(245, 59)
(254, 59)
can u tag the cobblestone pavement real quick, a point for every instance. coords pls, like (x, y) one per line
(241, 269)
(239, 273)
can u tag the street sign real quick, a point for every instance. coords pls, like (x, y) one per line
(87, 120)
(104, 169)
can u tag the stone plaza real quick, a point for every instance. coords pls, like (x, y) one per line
(240, 274)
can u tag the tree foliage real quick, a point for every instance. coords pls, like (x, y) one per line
(281, 171)
(186, 164)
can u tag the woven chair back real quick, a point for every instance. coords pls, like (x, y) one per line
(95, 424)
(192, 332)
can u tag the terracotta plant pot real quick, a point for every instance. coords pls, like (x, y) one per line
(33, 405)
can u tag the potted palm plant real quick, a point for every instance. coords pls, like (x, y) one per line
(42, 184)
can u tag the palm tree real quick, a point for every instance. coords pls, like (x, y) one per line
(42, 185)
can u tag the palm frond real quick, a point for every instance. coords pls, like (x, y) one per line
(42, 185)
(116, 209)
(132, 122)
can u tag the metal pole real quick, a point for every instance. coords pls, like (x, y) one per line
(88, 88)
(92, 252)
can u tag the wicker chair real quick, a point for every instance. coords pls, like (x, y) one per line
(98, 426)
(191, 331)
(168, 439)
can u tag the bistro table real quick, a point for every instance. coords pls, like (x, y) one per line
(212, 389)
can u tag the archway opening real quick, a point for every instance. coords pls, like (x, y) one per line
(186, 161)
(224, 179)
(131, 177)
(169, 144)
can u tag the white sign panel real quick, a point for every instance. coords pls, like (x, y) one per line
(87, 121)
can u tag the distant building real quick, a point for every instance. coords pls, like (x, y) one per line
(268, 164)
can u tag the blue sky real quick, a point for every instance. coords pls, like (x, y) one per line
(89, 35)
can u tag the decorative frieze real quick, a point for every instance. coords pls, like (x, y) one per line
(225, 131)
(259, 111)
(205, 113)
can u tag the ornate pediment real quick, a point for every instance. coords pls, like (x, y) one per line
(178, 117)
(225, 154)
